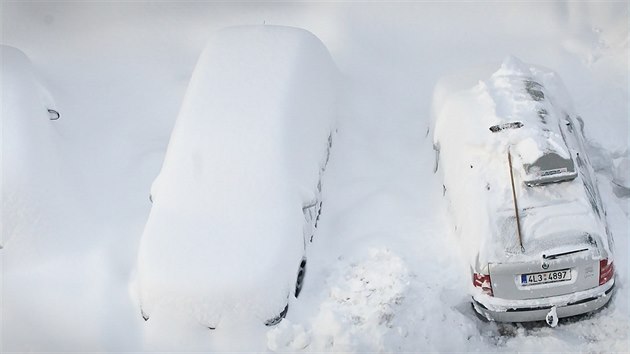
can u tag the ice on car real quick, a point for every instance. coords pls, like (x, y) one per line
(523, 195)
(239, 193)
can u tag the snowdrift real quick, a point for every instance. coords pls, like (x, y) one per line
(225, 233)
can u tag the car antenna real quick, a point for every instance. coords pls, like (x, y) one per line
(518, 220)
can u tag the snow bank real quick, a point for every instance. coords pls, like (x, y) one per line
(475, 164)
(246, 153)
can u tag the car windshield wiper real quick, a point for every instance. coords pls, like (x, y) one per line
(554, 256)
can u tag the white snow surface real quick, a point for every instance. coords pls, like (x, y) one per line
(385, 271)
(225, 228)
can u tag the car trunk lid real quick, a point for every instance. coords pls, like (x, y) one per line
(558, 270)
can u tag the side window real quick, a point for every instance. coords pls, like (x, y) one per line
(591, 193)
(569, 125)
(309, 212)
(436, 148)
(566, 129)
(330, 141)
(585, 167)
(581, 122)
(313, 209)
(311, 217)
(578, 133)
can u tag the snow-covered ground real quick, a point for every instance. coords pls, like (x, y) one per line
(384, 271)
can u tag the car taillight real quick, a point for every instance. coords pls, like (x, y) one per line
(606, 271)
(483, 281)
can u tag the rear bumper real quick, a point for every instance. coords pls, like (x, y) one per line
(502, 310)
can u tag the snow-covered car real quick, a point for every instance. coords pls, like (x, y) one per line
(27, 157)
(238, 197)
(523, 195)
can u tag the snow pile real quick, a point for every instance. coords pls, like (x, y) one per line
(614, 164)
(246, 154)
(288, 337)
(364, 298)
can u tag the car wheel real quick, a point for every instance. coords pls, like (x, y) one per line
(274, 321)
(300, 277)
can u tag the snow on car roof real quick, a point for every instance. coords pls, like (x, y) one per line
(477, 172)
(244, 156)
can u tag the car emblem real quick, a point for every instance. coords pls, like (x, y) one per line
(545, 265)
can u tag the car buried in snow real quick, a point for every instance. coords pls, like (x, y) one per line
(522, 195)
(238, 197)
(28, 139)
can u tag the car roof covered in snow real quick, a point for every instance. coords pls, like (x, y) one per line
(518, 112)
(244, 156)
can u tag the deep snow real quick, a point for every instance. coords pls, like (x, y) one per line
(384, 273)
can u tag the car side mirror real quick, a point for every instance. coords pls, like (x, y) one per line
(53, 115)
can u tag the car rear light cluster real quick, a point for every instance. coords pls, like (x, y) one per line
(483, 281)
(606, 271)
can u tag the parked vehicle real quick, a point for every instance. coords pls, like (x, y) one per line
(238, 197)
(523, 196)
(28, 138)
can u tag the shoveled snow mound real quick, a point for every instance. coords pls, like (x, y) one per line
(364, 297)
(225, 233)
(474, 164)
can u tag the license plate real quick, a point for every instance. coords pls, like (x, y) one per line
(546, 277)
